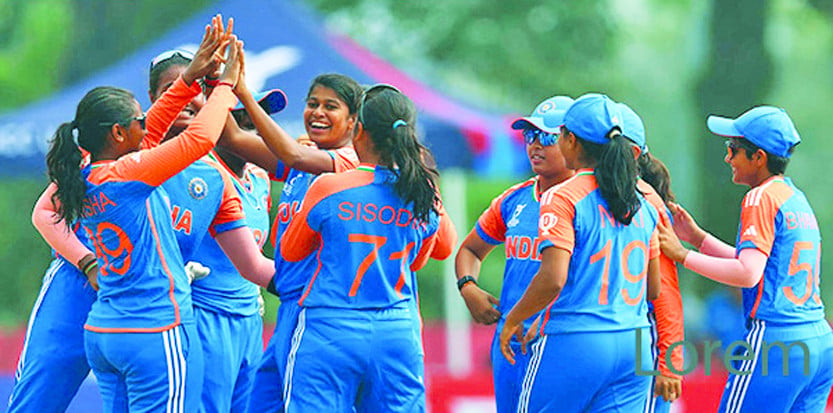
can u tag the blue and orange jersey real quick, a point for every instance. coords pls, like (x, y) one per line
(777, 220)
(668, 307)
(224, 290)
(512, 220)
(364, 239)
(290, 278)
(203, 201)
(127, 215)
(606, 281)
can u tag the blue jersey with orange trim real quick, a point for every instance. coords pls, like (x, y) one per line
(777, 220)
(127, 216)
(224, 290)
(203, 201)
(512, 219)
(367, 239)
(290, 278)
(606, 280)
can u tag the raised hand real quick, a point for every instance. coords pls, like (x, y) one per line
(208, 57)
(231, 73)
(241, 89)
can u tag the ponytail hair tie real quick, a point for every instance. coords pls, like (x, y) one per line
(398, 123)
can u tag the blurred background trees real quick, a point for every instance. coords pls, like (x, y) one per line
(674, 61)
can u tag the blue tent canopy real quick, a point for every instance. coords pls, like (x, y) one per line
(286, 47)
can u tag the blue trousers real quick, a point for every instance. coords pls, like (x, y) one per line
(655, 404)
(52, 364)
(370, 360)
(267, 392)
(508, 377)
(232, 347)
(761, 384)
(585, 372)
(147, 372)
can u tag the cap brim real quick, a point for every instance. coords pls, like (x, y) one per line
(272, 101)
(719, 125)
(523, 123)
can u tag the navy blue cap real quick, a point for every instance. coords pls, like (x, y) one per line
(592, 116)
(547, 116)
(632, 127)
(767, 127)
(272, 101)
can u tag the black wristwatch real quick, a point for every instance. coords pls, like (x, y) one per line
(465, 280)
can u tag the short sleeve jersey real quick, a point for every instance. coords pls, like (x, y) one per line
(290, 278)
(606, 281)
(225, 290)
(365, 241)
(512, 220)
(777, 220)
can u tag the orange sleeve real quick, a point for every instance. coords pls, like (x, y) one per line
(164, 111)
(757, 220)
(299, 240)
(555, 224)
(230, 215)
(438, 245)
(491, 221)
(668, 308)
(157, 165)
(344, 159)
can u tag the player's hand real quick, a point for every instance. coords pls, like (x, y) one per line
(304, 140)
(685, 226)
(511, 327)
(231, 72)
(92, 277)
(531, 333)
(668, 388)
(196, 271)
(670, 244)
(208, 57)
(481, 304)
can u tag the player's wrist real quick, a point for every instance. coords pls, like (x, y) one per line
(464, 281)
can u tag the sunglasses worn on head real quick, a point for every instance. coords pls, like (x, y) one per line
(371, 89)
(141, 120)
(161, 57)
(545, 138)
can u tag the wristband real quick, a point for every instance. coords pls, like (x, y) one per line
(465, 280)
(225, 83)
(86, 263)
(211, 81)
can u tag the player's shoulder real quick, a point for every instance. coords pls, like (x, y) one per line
(572, 190)
(773, 193)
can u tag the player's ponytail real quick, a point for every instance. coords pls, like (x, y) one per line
(654, 172)
(389, 117)
(616, 174)
(95, 115)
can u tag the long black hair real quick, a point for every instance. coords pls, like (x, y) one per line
(347, 89)
(95, 115)
(616, 173)
(654, 172)
(389, 117)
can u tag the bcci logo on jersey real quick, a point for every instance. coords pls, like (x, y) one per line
(197, 188)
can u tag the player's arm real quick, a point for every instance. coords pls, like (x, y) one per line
(247, 146)
(57, 233)
(470, 256)
(243, 252)
(293, 154)
(164, 111)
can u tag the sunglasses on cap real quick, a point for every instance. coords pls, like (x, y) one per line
(141, 120)
(733, 145)
(545, 138)
(161, 57)
(371, 89)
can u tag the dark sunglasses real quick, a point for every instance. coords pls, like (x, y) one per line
(141, 120)
(371, 89)
(161, 57)
(545, 138)
(732, 147)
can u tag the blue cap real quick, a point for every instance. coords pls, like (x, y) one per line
(768, 127)
(272, 101)
(592, 116)
(632, 127)
(547, 116)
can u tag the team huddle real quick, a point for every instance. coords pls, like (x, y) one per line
(157, 220)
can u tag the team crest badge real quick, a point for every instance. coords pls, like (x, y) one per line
(197, 188)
